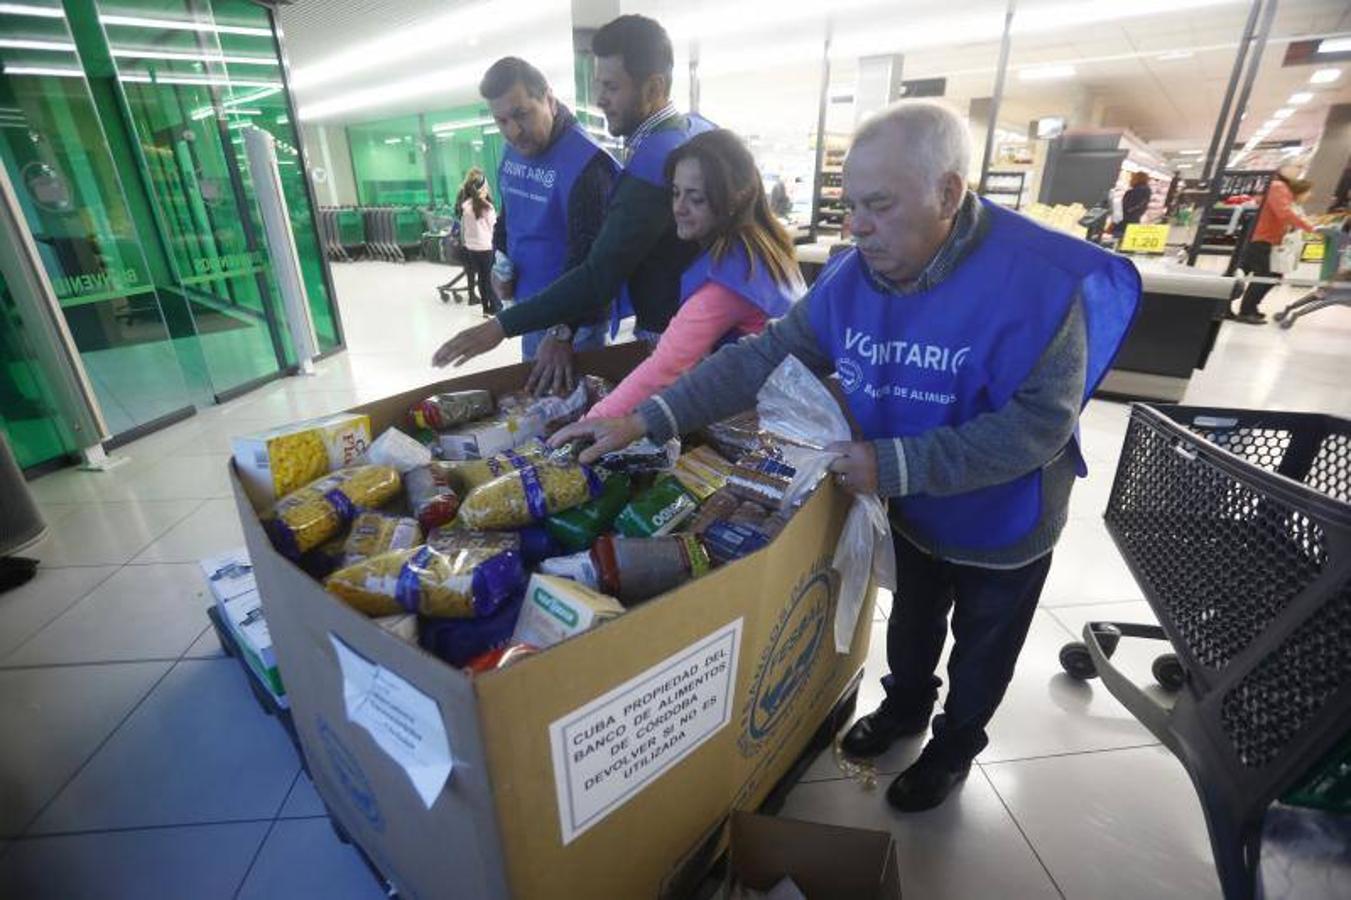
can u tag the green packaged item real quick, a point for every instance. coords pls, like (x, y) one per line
(576, 529)
(657, 511)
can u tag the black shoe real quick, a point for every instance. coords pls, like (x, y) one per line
(925, 784)
(1251, 318)
(16, 571)
(874, 733)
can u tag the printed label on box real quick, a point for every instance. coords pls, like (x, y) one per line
(610, 749)
(404, 722)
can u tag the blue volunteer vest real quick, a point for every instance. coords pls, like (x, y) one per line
(535, 192)
(733, 272)
(908, 364)
(648, 163)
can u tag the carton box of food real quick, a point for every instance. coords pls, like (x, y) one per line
(593, 768)
(556, 609)
(247, 622)
(276, 462)
(488, 437)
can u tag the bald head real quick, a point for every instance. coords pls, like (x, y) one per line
(904, 182)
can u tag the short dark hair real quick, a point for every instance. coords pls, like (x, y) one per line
(508, 72)
(642, 42)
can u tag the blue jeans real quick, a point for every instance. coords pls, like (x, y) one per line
(991, 613)
(588, 337)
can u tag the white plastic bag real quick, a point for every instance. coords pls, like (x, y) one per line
(399, 451)
(795, 406)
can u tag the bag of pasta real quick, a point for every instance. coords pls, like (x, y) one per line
(374, 533)
(318, 512)
(469, 474)
(529, 495)
(458, 578)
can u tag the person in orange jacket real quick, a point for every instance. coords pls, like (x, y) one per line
(1278, 216)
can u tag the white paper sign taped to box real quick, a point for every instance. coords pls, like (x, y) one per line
(404, 722)
(607, 751)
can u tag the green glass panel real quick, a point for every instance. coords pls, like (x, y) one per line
(460, 139)
(181, 98)
(53, 148)
(390, 166)
(27, 409)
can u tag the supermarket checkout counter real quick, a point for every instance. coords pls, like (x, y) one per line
(1180, 315)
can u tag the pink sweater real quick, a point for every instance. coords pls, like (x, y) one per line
(710, 313)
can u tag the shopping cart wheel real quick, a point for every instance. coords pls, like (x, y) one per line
(1076, 661)
(1285, 321)
(1168, 672)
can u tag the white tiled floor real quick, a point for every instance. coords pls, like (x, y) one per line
(137, 764)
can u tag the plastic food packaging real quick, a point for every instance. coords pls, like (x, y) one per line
(283, 460)
(431, 495)
(457, 641)
(555, 412)
(499, 658)
(577, 529)
(403, 626)
(317, 512)
(748, 512)
(762, 479)
(537, 545)
(637, 569)
(580, 567)
(461, 583)
(441, 411)
(722, 504)
(398, 451)
(642, 456)
(374, 533)
(702, 471)
(797, 408)
(657, 511)
(469, 474)
(556, 609)
(529, 495)
(488, 437)
(735, 437)
(726, 541)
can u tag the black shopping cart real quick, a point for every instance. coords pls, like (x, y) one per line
(1237, 526)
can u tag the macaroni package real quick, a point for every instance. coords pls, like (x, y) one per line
(317, 512)
(529, 495)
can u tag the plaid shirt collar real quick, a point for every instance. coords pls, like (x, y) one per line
(651, 124)
(967, 230)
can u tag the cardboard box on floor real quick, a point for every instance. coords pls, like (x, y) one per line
(822, 860)
(589, 770)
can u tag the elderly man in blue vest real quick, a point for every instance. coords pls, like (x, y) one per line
(966, 340)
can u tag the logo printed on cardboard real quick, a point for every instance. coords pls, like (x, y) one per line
(788, 659)
(351, 776)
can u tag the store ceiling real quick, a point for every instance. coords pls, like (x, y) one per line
(759, 59)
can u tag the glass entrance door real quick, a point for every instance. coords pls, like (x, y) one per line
(52, 146)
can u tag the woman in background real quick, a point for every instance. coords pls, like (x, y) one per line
(477, 219)
(746, 275)
(1135, 201)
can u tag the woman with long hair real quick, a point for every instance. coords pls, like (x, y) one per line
(1277, 216)
(478, 217)
(746, 275)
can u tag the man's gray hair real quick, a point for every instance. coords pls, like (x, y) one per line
(929, 135)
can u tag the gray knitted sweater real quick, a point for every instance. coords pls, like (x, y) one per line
(1031, 431)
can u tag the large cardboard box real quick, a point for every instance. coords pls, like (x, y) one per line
(823, 861)
(591, 769)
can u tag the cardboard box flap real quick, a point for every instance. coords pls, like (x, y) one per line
(823, 860)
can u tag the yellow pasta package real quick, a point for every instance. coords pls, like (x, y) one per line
(275, 463)
(316, 513)
(529, 495)
(468, 582)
